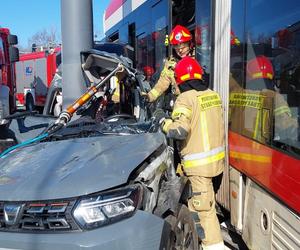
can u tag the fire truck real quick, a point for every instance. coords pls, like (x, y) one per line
(34, 73)
(9, 54)
(260, 188)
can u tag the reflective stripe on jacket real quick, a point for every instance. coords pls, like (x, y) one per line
(198, 122)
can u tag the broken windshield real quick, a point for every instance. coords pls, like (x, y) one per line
(88, 127)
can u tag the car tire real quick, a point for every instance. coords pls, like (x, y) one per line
(29, 103)
(183, 234)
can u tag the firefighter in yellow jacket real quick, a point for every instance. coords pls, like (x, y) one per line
(197, 121)
(180, 38)
(259, 112)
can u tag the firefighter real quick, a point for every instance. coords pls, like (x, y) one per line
(197, 123)
(259, 112)
(181, 40)
(148, 71)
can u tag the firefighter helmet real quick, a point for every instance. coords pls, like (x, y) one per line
(148, 70)
(180, 34)
(187, 69)
(259, 67)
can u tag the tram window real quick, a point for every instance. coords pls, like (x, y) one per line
(159, 23)
(265, 101)
(114, 37)
(160, 51)
(203, 35)
(131, 35)
(145, 50)
(183, 12)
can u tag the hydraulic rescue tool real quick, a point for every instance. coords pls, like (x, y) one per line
(67, 114)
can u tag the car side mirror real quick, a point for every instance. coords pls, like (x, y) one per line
(12, 39)
(13, 54)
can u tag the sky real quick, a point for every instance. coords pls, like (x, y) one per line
(26, 18)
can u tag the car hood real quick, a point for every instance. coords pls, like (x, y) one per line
(70, 168)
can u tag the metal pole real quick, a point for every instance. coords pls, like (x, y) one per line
(222, 24)
(77, 35)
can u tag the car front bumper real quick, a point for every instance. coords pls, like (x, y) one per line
(141, 231)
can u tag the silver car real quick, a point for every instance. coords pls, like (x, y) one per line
(95, 184)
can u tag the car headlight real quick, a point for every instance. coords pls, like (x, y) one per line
(107, 207)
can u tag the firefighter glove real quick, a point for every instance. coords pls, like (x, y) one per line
(165, 123)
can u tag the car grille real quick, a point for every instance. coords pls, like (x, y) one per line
(50, 216)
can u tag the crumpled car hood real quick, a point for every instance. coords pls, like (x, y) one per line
(70, 168)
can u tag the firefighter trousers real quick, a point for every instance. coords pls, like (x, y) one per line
(202, 206)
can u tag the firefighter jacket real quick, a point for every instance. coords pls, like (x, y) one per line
(165, 80)
(261, 115)
(115, 86)
(198, 123)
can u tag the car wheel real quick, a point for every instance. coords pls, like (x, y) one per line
(29, 103)
(183, 234)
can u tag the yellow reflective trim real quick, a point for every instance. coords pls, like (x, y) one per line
(185, 34)
(188, 76)
(204, 130)
(257, 75)
(205, 161)
(250, 157)
(260, 74)
(246, 100)
(281, 110)
(257, 123)
(181, 111)
(270, 76)
(155, 93)
(265, 119)
(209, 101)
(185, 77)
(197, 76)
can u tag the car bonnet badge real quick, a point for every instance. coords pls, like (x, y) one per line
(12, 213)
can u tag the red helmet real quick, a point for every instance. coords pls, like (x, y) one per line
(187, 69)
(148, 70)
(180, 34)
(260, 67)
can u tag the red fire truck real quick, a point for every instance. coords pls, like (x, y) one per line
(8, 55)
(34, 73)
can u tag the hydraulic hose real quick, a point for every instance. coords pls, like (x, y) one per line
(67, 114)
(25, 143)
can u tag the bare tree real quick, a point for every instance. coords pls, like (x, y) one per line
(44, 38)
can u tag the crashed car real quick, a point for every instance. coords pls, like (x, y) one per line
(95, 184)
